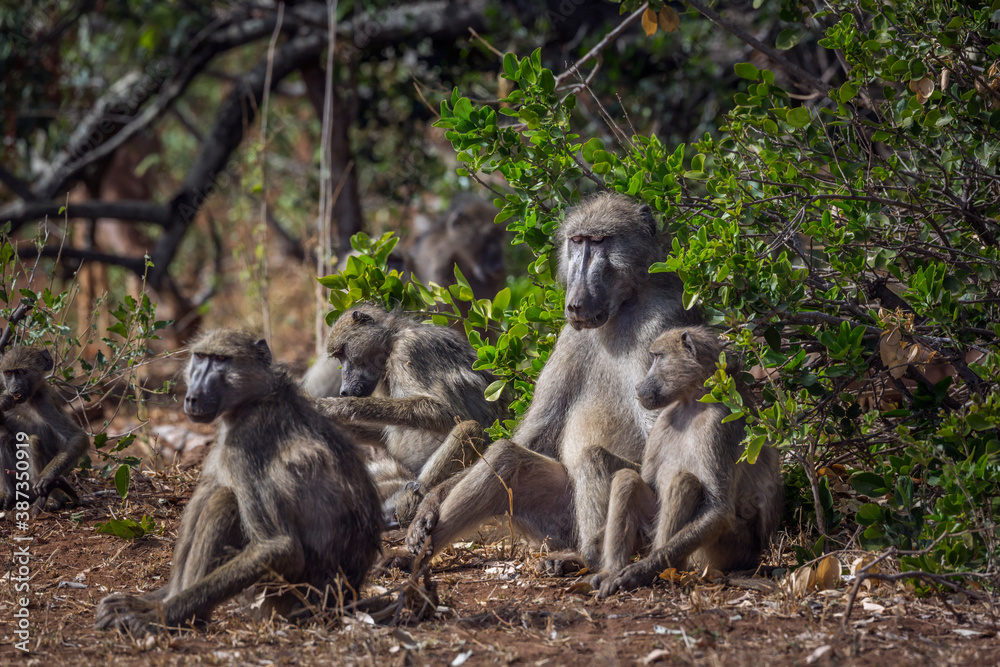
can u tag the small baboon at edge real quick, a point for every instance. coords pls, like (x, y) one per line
(57, 442)
(411, 387)
(284, 498)
(584, 422)
(692, 500)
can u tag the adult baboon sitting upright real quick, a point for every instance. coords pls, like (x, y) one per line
(412, 383)
(585, 421)
(283, 498)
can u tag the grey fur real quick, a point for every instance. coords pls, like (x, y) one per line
(584, 422)
(692, 501)
(283, 491)
(412, 383)
(57, 442)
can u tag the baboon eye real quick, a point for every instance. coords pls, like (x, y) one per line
(596, 239)
(220, 357)
(577, 239)
(200, 355)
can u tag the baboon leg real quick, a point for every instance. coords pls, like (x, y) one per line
(631, 513)
(736, 549)
(215, 538)
(592, 490)
(463, 446)
(539, 491)
(8, 466)
(681, 501)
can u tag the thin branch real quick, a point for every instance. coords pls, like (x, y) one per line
(601, 45)
(804, 77)
(137, 266)
(134, 210)
(19, 314)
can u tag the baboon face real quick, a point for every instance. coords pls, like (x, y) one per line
(682, 360)
(226, 369)
(24, 369)
(361, 342)
(608, 243)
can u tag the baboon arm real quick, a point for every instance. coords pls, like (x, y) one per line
(67, 457)
(422, 412)
(282, 555)
(366, 434)
(714, 520)
(463, 446)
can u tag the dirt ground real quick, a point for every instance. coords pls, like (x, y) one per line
(493, 610)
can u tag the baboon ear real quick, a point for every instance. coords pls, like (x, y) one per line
(688, 342)
(263, 350)
(362, 318)
(47, 363)
(647, 218)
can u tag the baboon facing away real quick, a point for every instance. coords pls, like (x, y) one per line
(467, 236)
(692, 497)
(408, 385)
(283, 498)
(584, 422)
(56, 441)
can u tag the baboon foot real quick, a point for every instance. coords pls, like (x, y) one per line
(561, 565)
(127, 614)
(6, 501)
(394, 561)
(400, 509)
(423, 525)
(59, 499)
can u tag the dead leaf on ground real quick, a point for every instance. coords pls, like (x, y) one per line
(828, 573)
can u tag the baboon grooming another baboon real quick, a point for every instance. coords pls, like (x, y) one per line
(692, 497)
(584, 422)
(411, 382)
(57, 442)
(283, 498)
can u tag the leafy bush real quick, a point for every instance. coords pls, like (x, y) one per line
(847, 246)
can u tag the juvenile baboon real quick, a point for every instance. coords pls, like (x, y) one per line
(584, 422)
(283, 498)
(56, 441)
(412, 383)
(467, 236)
(692, 499)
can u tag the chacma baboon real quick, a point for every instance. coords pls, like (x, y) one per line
(584, 422)
(692, 499)
(56, 441)
(283, 498)
(467, 236)
(412, 383)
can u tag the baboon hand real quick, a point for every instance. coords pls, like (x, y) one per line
(43, 485)
(127, 614)
(423, 525)
(338, 409)
(560, 565)
(630, 578)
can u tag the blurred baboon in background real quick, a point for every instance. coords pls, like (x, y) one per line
(284, 498)
(414, 383)
(692, 498)
(584, 422)
(57, 442)
(467, 236)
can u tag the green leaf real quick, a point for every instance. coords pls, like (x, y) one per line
(798, 117)
(869, 484)
(495, 390)
(121, 480)
(788, 38)
(747, 71)
(868, 514)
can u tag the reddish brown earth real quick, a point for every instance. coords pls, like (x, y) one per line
(493, 609)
